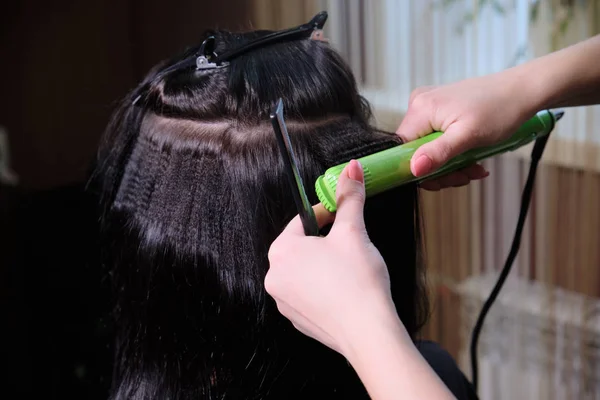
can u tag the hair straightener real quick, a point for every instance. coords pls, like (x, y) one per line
(391, 168)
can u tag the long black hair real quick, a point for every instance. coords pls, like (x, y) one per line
(194, 192)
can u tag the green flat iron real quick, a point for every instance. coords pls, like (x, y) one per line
(390, 168)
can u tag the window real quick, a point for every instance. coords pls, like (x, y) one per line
(395, 46)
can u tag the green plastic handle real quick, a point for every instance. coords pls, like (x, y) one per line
(390, 168)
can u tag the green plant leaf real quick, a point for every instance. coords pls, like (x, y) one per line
(498, 7)
(534, 12)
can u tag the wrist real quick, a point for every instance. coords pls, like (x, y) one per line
(388, 362)
(378, 324)
(531, 90)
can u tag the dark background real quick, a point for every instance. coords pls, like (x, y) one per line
(63, 66)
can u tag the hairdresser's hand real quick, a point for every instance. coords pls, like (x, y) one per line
(336, 289)
(471, 113)
(333, 288)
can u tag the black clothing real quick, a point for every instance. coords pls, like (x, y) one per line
(446, 368)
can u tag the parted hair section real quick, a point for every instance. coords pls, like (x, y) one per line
(194, 191)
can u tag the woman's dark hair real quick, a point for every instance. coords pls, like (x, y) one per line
(194, 192)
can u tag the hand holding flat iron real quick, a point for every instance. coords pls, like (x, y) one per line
(336, 289)
(345, 273)
(468, 113)
(485, 110)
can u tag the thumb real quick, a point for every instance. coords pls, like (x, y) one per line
(433, 155)
(350, 194)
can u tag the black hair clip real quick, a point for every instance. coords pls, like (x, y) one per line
(206, 55)
(206, 58)
(199, 59)
(313, 29)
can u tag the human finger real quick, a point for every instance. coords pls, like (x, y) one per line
(476, 172)
(431, 156)
(350, 194)
(456, 179)
(295, 227)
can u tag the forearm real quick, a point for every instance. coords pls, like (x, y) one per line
(566, 78)
(389, 364)
(583, 98)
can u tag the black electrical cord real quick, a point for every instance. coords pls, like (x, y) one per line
(536, 155)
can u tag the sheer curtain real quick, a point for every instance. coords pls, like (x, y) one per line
(281, 14)
(542, 337)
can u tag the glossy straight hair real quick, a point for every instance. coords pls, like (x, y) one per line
(194, 191)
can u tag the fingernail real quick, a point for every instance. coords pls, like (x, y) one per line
(422, 165)
(355, 171)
